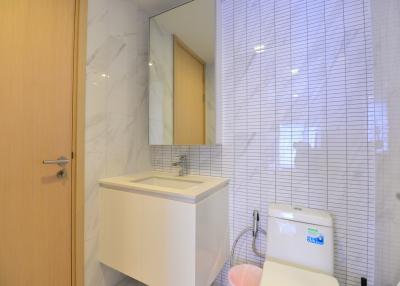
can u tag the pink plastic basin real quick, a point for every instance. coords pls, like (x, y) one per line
(245, 275)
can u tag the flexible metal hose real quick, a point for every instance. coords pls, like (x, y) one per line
(254, 247)
(243, 232)
(255, 250)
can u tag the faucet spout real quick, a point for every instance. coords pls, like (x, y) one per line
(182, 164)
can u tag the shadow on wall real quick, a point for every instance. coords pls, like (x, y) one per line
(130, 282)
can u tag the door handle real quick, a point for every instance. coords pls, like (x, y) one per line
(61, 161)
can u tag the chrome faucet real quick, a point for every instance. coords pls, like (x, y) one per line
(182, 164)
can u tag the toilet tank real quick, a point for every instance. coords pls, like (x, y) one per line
(301, 237)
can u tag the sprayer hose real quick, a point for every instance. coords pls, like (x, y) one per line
(255, 250)
(254, 247)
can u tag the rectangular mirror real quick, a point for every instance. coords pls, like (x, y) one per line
(182, 90)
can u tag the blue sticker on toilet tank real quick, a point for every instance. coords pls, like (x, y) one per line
(315, 237)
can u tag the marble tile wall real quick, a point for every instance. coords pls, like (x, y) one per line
(386, 23)
(298, 121)
(210, 102)
(161, 84)
(116, 112)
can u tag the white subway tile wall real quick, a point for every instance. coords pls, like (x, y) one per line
(298, 121)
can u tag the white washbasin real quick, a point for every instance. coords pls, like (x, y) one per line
(191, 189)
(168, 182)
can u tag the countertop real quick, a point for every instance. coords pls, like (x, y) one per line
(194, 194)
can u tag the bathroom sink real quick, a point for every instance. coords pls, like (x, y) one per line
(191, 189)
(168, 182)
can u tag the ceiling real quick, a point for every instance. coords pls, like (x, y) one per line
(194, 24)
(154, 7)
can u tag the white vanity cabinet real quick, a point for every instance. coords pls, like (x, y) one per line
(163, 236)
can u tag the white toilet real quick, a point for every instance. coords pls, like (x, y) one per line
(299, 248)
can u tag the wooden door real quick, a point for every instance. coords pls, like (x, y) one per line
(36, 93)
(189, 96)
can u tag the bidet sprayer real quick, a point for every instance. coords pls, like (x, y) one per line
(256, 221)
(255, 229)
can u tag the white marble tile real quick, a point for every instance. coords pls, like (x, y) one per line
(211, 104)
(116, 112)
(97, 25)
(96, 163)
(386, 21)
(161, 84)
(124, 15)
(95, 272)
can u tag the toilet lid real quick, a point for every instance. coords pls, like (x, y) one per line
(278, 274)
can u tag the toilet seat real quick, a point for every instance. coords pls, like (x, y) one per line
(278, 274)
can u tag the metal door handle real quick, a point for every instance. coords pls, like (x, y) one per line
(61, 161)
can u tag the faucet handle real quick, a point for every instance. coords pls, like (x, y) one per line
(182, 157)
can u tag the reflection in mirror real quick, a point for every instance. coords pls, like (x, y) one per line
(182, 95)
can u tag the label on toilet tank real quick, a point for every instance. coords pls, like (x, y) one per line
(315, 237)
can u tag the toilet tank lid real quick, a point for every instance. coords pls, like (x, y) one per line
(300, 214)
